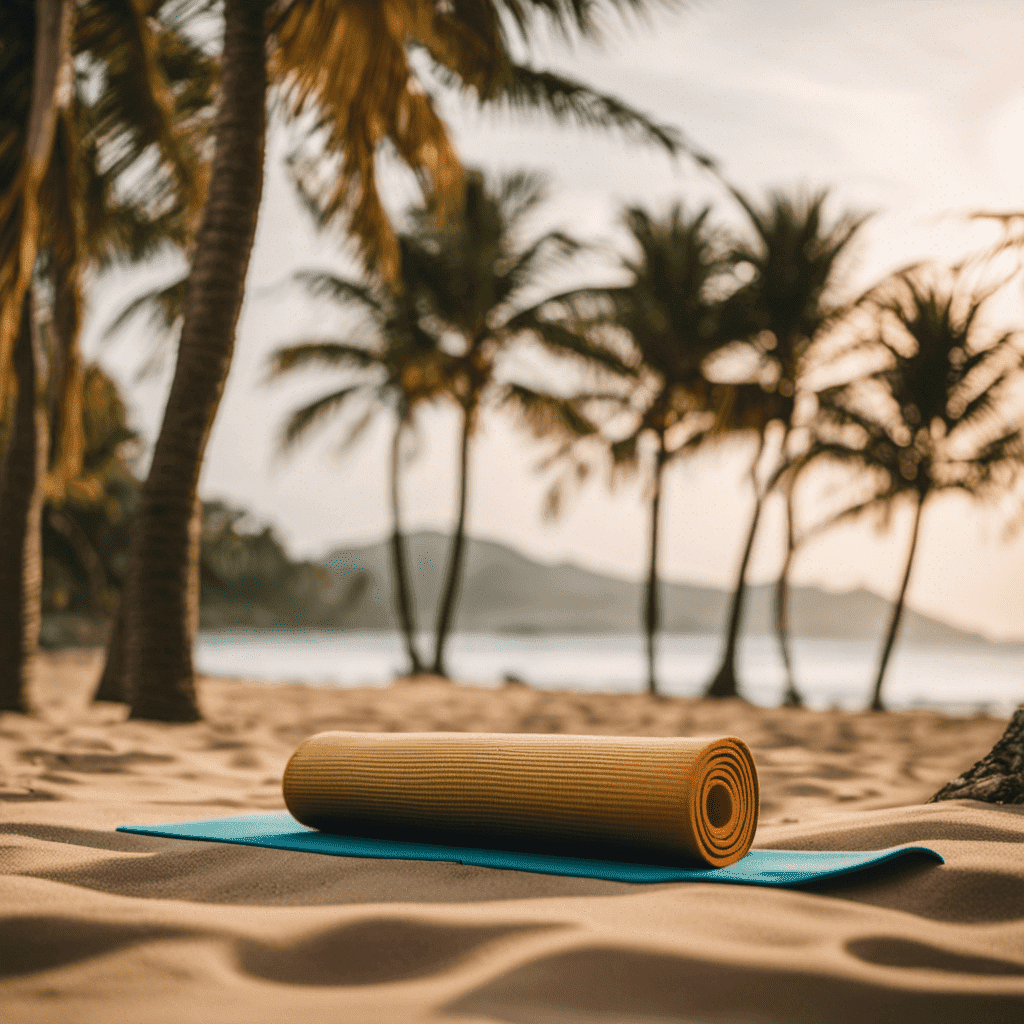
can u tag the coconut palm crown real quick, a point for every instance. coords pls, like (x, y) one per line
(937, 416)
(670, 318)
(388, 361)
(792, 260)
(478, 273)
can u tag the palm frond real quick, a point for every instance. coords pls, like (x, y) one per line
(324, 284)
(323, 352)
(347, 65)
(568, 101)
(356, 431)
(562, 340)
(546, 415)
(518, 193)
(162, 307)
(550, 251)
(313, 415)
(119, 34)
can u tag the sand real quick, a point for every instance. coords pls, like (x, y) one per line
(103, 926)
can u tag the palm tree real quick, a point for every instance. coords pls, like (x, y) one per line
(934, 418)
(345, 67)
(78, 219)
(391, 362)
(474, 271)
(785, 305)
(34, 57)
(671, 314)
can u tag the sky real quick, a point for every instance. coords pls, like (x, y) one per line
(913, 110)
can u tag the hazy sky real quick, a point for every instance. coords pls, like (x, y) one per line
(914, 109)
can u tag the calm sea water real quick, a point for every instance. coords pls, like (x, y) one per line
(959, 680)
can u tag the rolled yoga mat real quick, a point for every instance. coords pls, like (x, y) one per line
(655, 800)
(660, 810)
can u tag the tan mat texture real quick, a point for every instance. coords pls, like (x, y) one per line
(651, 799)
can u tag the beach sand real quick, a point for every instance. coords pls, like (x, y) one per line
(103, 926)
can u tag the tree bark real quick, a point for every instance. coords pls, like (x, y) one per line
(725, 683)
(998, 778)
(399, 564)
(159, 674)
(791, 698)
(67, 372)
(897, 612)
(22, 474)
(652, 604)
(453, 574)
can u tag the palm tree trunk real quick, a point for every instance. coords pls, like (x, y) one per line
(897, 611)
(159, 674)
(67, 373)
(22, 475)
(453, 574)
(724, 683)
(791, 698)
(399, 563)
(998, 778)
(652, 609)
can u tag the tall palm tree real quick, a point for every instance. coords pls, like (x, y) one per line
(102, 130)
(788, 301)
(475, 271)
(936, 417)
(344, 66)
(35, 59)
(390, 362)
(671, 312)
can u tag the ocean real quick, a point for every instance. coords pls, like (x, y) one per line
(961, 680)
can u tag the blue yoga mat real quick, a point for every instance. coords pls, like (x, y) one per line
(280, 831)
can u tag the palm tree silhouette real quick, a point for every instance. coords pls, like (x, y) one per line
(786, 303)
(935, 417)
(474, 270)
(391, 362)
(671, 312)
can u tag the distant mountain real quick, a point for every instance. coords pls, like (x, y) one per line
(503, 591)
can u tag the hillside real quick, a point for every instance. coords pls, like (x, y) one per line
(504, 591)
